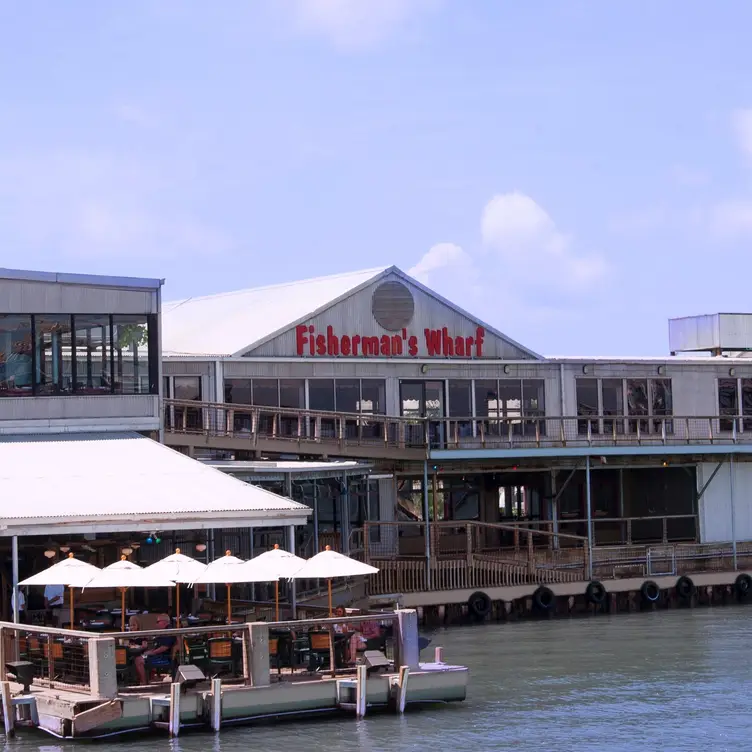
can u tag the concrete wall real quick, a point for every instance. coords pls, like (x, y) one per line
(715, 504)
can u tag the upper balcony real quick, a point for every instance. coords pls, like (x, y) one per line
(284, 430)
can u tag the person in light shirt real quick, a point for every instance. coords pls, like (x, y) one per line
(54, 596)
(21, 605)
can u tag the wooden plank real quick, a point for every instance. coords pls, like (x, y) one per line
(9, 716)
(96, 716)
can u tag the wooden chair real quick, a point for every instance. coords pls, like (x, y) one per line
(318, 650)
(220, 654)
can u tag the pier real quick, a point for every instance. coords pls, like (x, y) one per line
(76, 684)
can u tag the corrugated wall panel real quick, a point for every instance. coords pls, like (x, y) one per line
(85, 407)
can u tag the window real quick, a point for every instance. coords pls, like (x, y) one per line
(587, 404)
(131, 354)
(373, 396)
(54, 365)
(728, 402)
(187, 389)
(747, 403)
(661, 404)
(347, 395)
(321, 394)
(292, 393)
(460, 406)
(93, 348)
(637, 403)
(15, 356)
(487, 404)
(510, 401)
(533, 406)
(265, 392)
(238, 391)
(613, 404)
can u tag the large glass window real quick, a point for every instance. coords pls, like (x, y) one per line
(534, 406)
(373, 396)
(460, 406)
(587, 404)
(347, 395)
(238, 391)
(188, 389)
(93, 348)
(131, 354)
(54, 364)
(265, 392)
(321, 394)
(510, 401)
(662, 404)
(747, 403)
(15, 355)
(728, 401)
(613, 404)
(292, 393)
(637, 403)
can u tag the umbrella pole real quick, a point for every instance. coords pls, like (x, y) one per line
(70, 590)
(177, 604)
(276, 600)
(122, 609)
(229, 606)
(331, 610)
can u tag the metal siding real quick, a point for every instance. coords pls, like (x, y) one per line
(186, 367)
(20, 296)
(354, 316)
(735, 331)
(715, 503)
(724, 331)
(79, 408)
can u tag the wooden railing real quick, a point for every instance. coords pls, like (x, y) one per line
(252, 424)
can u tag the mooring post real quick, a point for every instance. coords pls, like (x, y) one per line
(8, 715)
(102, 674)
(438, 655)
(216, 704)
(256, 670)
(174, 708)
(360, 690)
(589, 518)
(407, 646)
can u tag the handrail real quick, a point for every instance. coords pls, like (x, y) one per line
(511, 527)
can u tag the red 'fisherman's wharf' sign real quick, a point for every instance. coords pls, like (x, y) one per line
(436, 343)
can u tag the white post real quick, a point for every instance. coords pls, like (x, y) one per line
(589, 518)
(174, 708)
(315, 517)
(360, 690)
(732, 473)
(216, 706)
(14, 547)
(292, 584)
(425, 526)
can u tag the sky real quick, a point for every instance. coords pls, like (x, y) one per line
(572, 172)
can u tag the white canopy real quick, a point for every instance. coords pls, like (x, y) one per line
(329, 565)
(70, 572)
(228, 570)
(126, 574)
(177, 567)
(273, 565)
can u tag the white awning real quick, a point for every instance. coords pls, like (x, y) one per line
(87, 483)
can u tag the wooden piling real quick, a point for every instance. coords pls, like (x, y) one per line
(216, 704)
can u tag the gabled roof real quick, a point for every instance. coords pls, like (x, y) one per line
(229, 323)
(125, 481)
(236, 323)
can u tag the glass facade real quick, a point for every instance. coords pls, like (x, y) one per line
(87, 354)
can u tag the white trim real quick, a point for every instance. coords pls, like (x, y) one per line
(78, 425)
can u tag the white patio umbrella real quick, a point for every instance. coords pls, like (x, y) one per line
(180, 569)
(329, 565)
(272, 566)
(70, 572)
(125, 574)
(228, 570)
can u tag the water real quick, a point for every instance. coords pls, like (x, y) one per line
(676, 680)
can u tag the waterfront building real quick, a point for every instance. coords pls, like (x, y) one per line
(80, 418)
(482, 452)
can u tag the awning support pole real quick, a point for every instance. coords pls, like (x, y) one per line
(426, 526)
(15, 578)
(589, 518)
(292, 584)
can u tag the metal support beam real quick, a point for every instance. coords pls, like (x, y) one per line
(315, 517)
(709, 481)
(15, 579)
(566, 482)
(425, 520)
(589, 518)
(732, 483)
(554, 510)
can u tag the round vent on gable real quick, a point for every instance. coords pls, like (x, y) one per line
(392, 305)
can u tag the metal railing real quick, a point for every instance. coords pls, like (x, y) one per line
(313, 427)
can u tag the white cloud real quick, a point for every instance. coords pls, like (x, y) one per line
(439, 257)
(84, 206)
(519, 232)
(350, 24)
(741, 121)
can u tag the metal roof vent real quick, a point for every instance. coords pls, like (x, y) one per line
(392, 305)
(718, 333)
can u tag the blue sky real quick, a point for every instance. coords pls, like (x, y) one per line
(574, 173)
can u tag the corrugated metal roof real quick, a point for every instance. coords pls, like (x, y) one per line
(101, 477)
(89, 280)
(228, 322)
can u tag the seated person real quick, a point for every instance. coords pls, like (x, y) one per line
(158, 654)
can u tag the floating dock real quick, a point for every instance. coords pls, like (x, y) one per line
(97, 704)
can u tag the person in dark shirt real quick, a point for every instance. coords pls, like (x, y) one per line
(159, 654)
